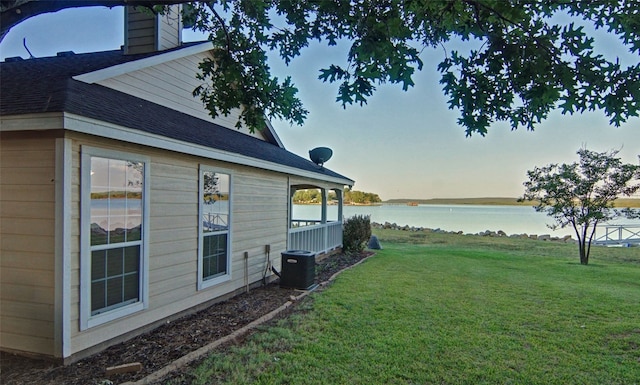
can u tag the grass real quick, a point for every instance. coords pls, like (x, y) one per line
(452, 309)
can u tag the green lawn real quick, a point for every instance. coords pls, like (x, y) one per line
(449, 309)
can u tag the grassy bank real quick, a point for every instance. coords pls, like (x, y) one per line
(450, 309)
(496, 201)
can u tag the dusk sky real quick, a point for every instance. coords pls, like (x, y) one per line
(399, 145)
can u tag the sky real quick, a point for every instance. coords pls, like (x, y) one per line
(400, 144)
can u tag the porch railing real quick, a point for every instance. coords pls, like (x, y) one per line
(317, 237)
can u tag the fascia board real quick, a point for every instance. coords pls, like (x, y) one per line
(31, 122)
(96, 127)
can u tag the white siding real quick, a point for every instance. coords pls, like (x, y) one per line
(259, 218)
(170, 29)
(171, 84)
(27, 191)
(28, 245)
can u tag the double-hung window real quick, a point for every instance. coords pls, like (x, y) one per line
(114, 222)
(214, 227)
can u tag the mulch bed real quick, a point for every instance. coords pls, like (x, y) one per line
(160, 347)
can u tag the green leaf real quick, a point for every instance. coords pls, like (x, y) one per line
(528, 62)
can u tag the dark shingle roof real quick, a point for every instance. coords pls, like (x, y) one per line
(46, 85)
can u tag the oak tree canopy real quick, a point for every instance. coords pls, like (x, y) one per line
(528, 61)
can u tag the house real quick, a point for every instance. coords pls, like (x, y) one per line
(123, 204)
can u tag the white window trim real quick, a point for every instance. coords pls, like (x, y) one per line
(202, 283)
(86, 319)
(62, 322)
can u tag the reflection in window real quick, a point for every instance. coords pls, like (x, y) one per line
(214, 225)
(115, 232)
(116, 201)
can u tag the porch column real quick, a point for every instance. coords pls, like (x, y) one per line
(323, 217)
(339, 198)
(292, 191)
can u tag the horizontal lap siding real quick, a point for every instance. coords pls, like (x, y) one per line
(141, 32)
(171, 85)
(27, 209)
(259, 217)
(174, 232)
(170, 28)
(172, 242)
(144, 32)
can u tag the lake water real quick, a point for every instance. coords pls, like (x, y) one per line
(466, 218)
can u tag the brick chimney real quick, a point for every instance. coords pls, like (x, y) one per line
(145, 32)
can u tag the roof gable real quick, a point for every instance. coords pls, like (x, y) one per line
(50, 85)
(168, 79)
(98, 75)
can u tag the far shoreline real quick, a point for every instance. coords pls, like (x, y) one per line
(487, 201)
(492, 201)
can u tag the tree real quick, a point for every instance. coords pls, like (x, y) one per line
(526, 63)
(582, 194)
(360, 197)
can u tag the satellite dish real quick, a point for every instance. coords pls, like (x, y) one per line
(319, 155)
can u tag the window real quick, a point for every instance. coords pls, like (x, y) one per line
(113, 256)
(214, 238)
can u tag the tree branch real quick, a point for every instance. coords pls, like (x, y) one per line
(13, 12)
(224, 27)
(477, 5)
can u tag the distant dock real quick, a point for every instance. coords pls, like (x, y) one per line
(619, 235)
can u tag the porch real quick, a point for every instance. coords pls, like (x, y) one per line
(319, 234)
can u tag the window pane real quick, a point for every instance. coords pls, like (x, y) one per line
(99, 218)
(131, 259)
(117, 175)
(131, 291)
(98, 231)
(114, 291)
(117, 224)
(134, 176)
(99, 200)
(134, 228)
(117, 282)
(115, 277)
(134, 205)
(116, 214)
(98, 265)
(116, 200)
(215, 198)
(98, 300)
(114, 262)
(214, 255)
(99, 175)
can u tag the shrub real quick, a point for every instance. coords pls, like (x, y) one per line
(356, 233)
